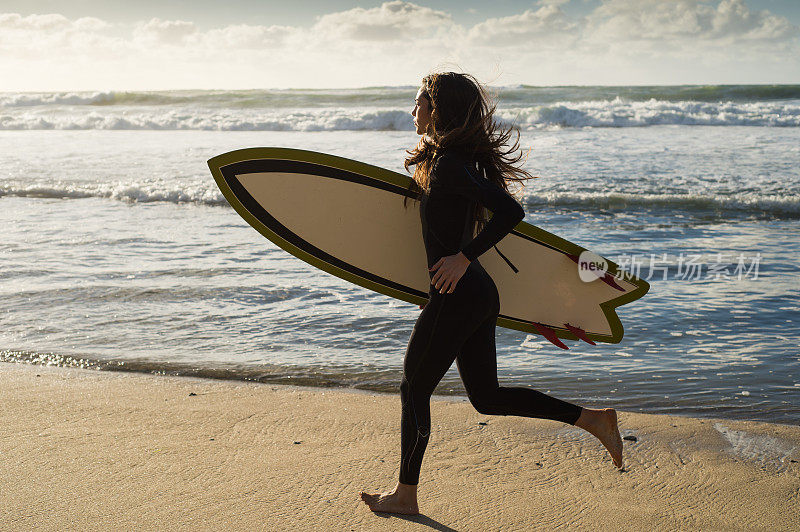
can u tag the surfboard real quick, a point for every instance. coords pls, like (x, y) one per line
(348, 218)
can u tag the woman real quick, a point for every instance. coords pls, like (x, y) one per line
(463, 163)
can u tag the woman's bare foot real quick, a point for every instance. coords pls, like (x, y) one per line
(401, 500)
(602, 424)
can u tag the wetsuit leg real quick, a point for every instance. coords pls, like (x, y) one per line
(477, 365)
(441, 329)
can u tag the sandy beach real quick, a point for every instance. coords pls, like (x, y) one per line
(85, 449)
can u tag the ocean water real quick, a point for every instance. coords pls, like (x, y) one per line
(118, 251)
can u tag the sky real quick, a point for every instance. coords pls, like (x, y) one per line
(48, 45)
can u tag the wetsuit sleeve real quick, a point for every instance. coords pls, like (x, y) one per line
(451, 175)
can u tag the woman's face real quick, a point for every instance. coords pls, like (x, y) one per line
(422, 111)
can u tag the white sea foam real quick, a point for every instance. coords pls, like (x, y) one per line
(623, 113)
(31, 99)
(69, 111)
(132, 193)
(204, 192)
(212, 120)
(785, 205)
(758, 447)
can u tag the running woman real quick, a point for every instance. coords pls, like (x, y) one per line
(463, 163)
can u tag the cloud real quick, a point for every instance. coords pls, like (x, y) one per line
(619, 41)
(391, 21)
(734, 20)
(547, 26)
(245, 37)
(47, 24)
(730, 21)
(157, 31)
(234, 37)
(14, 24)
(31, 36)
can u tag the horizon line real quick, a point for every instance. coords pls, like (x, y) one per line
(412, 86)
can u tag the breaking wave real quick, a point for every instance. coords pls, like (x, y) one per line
(388, 108)
(206, 193)
(615, 113)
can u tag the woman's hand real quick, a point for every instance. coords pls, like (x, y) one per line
(449, 270)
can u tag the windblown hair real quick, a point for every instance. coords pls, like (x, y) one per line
(463, 118)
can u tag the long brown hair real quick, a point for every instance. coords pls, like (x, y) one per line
(463, 118)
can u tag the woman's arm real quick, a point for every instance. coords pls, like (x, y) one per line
(452, 175)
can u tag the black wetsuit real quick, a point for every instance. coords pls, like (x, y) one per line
(460, 325)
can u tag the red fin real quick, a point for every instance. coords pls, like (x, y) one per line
(550, 334)
(580, 333)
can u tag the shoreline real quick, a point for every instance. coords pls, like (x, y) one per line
(95, 449)
(178, 370)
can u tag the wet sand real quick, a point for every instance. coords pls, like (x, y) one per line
(85, 449)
